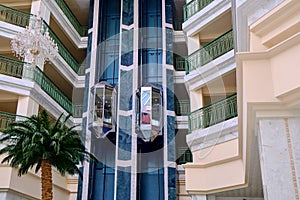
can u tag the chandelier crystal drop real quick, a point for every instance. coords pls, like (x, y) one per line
(34, 43)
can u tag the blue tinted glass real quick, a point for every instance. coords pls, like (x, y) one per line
(150, 55)
(127, 47)
(126, 81)
(170, 90)
(125, 131)
(171, 138)
(108, 41)
(91, 14)
(123, 183)
(171, 183)
(169, 11)
(128, 12)
(169, 46)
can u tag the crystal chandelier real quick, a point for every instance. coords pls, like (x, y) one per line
(34, 43)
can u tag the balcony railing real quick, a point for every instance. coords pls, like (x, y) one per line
(14, 16)
(210, 51)
(182, 107)
(177, 24)
(180, 64)
(21, 18)
(6, 119)
(214, 113)
(77, 110)
(63, 51)
(193, 7)
(184, 155)
(13, 67)
(82, 30)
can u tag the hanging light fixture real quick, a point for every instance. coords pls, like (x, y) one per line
(34, 43)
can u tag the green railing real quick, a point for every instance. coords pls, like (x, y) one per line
(6, 119)
(82, 30)
(184, 155)
(180, 64)
(182, 107)
(177, 24)
(210, 51)
(214, 113)
(49, 87)
(21, 18)
(63, 51)
(77, 110)
(193, 7)
(11, 67)
(14, 16)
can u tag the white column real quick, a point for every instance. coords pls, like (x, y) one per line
(196, 99)
(27, 106)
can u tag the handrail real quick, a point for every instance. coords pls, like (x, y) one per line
(184, 155)
(180, 64)
(8, 66)
(7, 118)
(11, 67)
(210, 51)
(62, 50)
(213, 113)
(77, 110)
(82, 30)
(194, 6)
(14, 16)
(177, 24)
(182, 107)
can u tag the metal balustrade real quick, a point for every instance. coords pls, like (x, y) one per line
(21, 18)
(82, 30)
(19, 69)
(210, 51)
(184, 155)
(177, 24)
(77, 110)
(194, 6)
(182, 107)
(63, 51)
(6, 119)
(180, 64)
(214, 113)
(14, 16)
(11, 67)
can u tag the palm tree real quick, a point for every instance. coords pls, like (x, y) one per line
(36, 142)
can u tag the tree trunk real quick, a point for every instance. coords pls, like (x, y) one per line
(46, 180)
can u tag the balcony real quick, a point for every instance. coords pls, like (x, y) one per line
(193, 7)
(19, 69)
(214, 113)
(210, 51)
(77, 110)
(182, 107)
(177, 24)
(5, 120)
(22, 19)
(82, 30)
(179, 64)
(184, 155)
